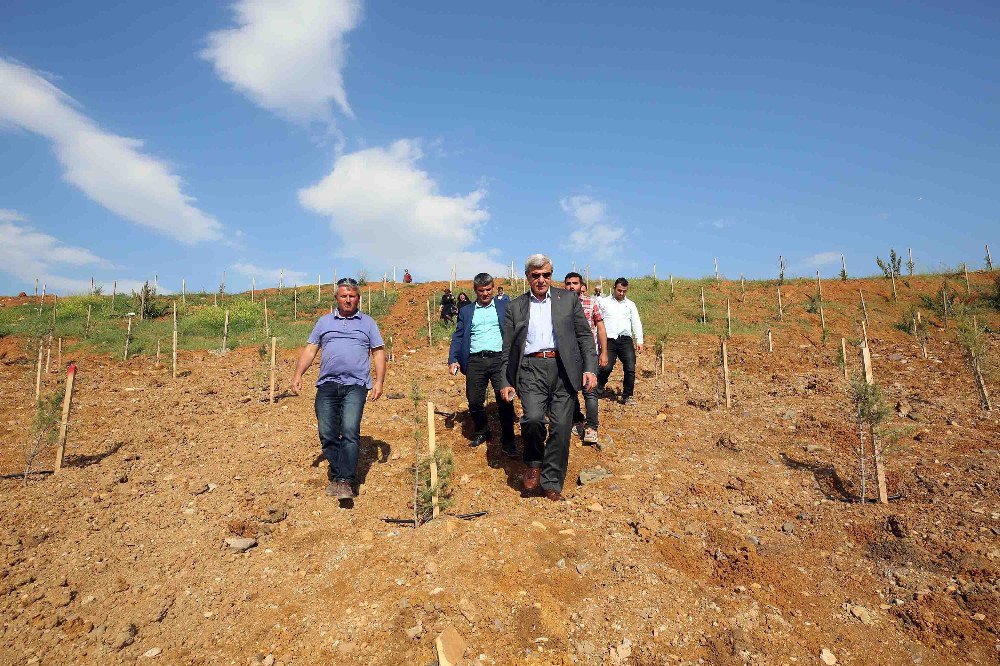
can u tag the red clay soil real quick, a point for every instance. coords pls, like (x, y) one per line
(721, 536)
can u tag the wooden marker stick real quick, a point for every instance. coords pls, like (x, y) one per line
(819, 286)
(38, 370)
(944, 303)
(729, 320)
(114, 294)
(157, 352)
(225, 332)
(319, 287)
(64, 425)
(725, 374)
(965, 267)
(86, 331)
(671, 285)
(431, 446)
(743, 288)
(716, 270)
(174, 353)
(59, 353)
(781, 309)
(274, 343)
(892, 276)
(770, 342)
(267, 325)
(923, 338)
(48, 354)
(183, 292)
(295, 303)
(704, 318)
(429, 340)
(253, 288)
(883, 493)
(822, 316)
(864, 332)
(843, 355)
(128, 337)
(989, 258)
(864, 308)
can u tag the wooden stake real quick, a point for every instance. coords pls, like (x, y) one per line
(128, 337)
(142, 301)
(156, 285)
(944, 303)
(41, 301)
(253, 288)
(704, 318)
(86, 332)
(725, 374)
(59, 353)
(267, 325)
(965, 267)
(663, 363)
(64, 425)
(55, 305)
(923, 338)
(716, 271)
(864, 308)
(48, 353)
(654, 271)
(157, 352)
(864, 332)
(843, 264)
(385, 284)
(91, 285)
(174, 353)
(429, 340)
(319, 287)
(781, 309)
(892, 276)
(38, 370)
(295, 303)
(909, 262)
(281, 280)
(435, 509)
(819, 286)
(989, 259)
(743, 289)
(274, 344)
(729, 321)
(671, 285)
(183, 292)
(843, 355)
(822, 316)
(225, 332)
(215, 299)
(114, 294)
(983, 393)
(883, 493)
(36, 284)
(770, 341)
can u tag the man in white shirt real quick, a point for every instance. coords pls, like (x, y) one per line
(621, 321)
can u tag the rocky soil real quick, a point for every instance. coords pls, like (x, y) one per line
(189, 524)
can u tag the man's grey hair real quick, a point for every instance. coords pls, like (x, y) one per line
(536, 261)
(481, 280)
(350, 287)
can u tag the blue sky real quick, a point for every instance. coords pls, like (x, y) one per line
(318, 135)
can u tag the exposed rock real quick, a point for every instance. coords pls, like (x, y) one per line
(240, 544)
(903, 408)
(788, 527)
(415, 632)
(468, 610)
(125, 637)
(744, 510)
(596, 507)
(827, 657)
(861, 614)
(592, 475)
(450, 647)
(275, 514)
(59, 596)
(607, 444)
(152, 652)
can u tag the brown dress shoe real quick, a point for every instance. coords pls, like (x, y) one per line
(554, 495)
(532, 478)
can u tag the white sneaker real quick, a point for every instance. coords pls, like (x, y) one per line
(590, 436)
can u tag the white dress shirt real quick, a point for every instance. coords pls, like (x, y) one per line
(621, 318)
(541, 334)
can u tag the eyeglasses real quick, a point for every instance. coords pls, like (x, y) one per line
(535, 276)
(342, 281)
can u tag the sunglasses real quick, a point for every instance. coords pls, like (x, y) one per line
(343, 281)
(535, 276)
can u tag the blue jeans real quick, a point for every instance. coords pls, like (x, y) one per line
(338, 411)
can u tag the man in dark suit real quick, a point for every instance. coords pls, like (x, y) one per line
(548, 356)
(475, 350)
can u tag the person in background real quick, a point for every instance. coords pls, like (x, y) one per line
(463, 300)
(502, 296)
(350, 340)
(447, 308)
(407, 278)
(574, 282)
(475, 350)
(621, 320)
(548, 355)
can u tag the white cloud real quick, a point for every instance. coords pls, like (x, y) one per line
(268, 277)
(287, 57)
(110, 169)
(388, 212)
(592, 231)
(821, 259)
(8, 215)
(28, 254)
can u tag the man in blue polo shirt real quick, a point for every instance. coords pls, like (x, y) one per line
(349, 340)
(475, 350)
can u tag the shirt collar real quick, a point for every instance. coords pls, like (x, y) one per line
(491, 305)
(337, 315)
(548, 295)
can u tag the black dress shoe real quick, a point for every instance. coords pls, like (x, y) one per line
(510, 450)
(480, 439)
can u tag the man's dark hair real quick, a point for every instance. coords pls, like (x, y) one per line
(621, 281)
(573, 274)
(482, 279)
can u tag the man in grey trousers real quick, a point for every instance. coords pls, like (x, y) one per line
(548, 356)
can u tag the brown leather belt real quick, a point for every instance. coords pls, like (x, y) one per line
(549, 353)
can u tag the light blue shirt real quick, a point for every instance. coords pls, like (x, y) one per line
(541, 334)
(486, 333)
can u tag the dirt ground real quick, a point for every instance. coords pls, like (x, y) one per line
(721, 536)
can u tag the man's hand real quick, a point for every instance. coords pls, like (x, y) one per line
(589, 381)
(638, 349)
(602, 360)
(508, 393)
(453, 368)
(376, 391)
(296, 384)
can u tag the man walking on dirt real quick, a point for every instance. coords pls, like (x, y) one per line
(349, 339)
(548, 355)
(475, 350)
(574, 282)
(621, 320)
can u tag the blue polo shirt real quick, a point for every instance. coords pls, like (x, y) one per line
(486, 333)
(346, 343)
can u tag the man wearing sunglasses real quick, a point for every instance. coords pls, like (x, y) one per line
(548, 356)
(350, 340)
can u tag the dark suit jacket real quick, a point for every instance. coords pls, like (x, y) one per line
(576, 343)
(461, 339)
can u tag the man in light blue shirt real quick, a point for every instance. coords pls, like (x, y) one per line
(475, 350)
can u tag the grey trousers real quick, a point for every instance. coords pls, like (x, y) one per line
(543, 387)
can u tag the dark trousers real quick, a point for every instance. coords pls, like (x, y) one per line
(480, 371)
(543, 386)
(590, 401)
(624, 349)
(338, 411)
